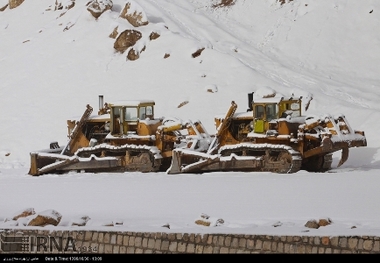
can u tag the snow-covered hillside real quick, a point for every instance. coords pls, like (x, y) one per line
(54, 62)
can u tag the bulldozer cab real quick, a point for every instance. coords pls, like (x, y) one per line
(263, 113)
(267, 110)
(125, 116)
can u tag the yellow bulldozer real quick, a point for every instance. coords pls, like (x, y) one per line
(123, 136)
(274, 136)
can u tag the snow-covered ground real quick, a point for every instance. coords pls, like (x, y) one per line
(53, 63)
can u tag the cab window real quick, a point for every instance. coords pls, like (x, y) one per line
(259, 111)
(271, 112)
(130, 114)
(149, 111)
(142, 113)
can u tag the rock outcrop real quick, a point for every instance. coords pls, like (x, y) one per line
(317, 224)
(134, 54)
(15, 3)
(24, 213)
(134, 14)
(126, 39)
(98, 7)
(48, 217)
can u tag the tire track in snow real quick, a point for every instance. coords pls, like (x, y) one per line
(308, 78)
(219, 39)
(166, 8)
(339, 93)
(225, 38)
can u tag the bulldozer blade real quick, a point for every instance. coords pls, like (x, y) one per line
(43, 162)
(175, 167)
(44, 158)
(344, 156)
(184, 161)
(56, 166)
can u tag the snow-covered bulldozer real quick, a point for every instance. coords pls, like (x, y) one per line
(123, 136)
(272, 135)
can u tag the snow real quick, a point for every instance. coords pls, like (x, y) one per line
(55, 62)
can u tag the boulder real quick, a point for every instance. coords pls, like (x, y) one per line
(24, 213)
(312, 224)
(134, 14)
(126, 39)
(324, 222)
(48, 217)
(154, 35)
(133, 54)
(197, 53)
(317, 224)
(98, 7)
(202, 222)
(15, 3)
(80, 221)
(114, 33)
(206, 220)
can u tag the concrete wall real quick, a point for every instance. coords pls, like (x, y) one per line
(104, 242)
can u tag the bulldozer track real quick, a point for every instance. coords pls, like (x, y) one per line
(276, 158)
(240, 157)
(132, 157)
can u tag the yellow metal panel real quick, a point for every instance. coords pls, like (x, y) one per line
(259, 126)
(175, 127)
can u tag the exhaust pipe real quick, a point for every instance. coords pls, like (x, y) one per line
(250, 99)
(101, 101)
